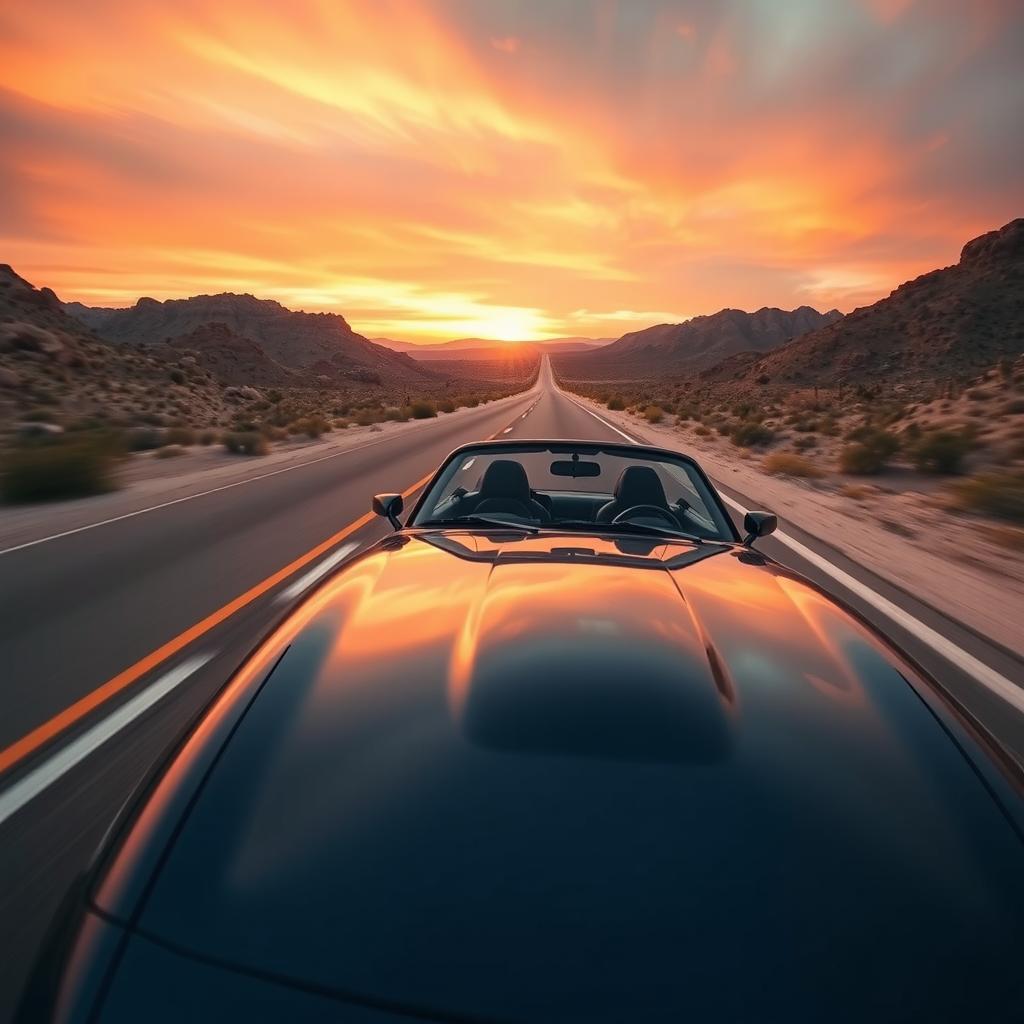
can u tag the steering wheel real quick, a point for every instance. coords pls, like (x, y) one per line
(637, 510)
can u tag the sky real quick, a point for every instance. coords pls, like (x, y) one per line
(514, 169)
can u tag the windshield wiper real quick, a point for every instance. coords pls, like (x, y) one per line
(476, 520)
(661, 531)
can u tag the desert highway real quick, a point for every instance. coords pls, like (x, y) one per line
(113, 637)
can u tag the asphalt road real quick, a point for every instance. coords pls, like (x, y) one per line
(77, 611)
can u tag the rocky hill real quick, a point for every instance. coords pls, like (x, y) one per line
(707, 339)
(949, 324)
(55, 369)
(698, 343)
(231, 358)
(321, 344)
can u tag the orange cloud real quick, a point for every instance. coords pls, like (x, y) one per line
(384, 159)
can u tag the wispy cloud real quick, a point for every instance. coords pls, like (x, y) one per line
(443, 168)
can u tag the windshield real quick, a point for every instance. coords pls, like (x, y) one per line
(559, 485)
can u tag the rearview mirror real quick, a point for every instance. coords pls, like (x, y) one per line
(574, 468)
(759, 524)
(389, 506)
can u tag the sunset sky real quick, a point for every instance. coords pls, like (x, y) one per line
(508, 169)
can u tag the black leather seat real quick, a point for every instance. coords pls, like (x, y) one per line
(637, 485)
(505, 488)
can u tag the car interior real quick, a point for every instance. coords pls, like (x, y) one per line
(663, 495)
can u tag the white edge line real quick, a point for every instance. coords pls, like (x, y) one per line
(966, 662)
(26, 789)
(324, 567)
(601, 419)
(212, 490)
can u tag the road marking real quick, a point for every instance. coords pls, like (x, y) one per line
(992, 680)
(601, 419)
(507, 430)
(203, 494)
(33, 740)
(26, 789)
(305, 582)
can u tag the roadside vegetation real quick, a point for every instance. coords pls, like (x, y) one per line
(48, 469)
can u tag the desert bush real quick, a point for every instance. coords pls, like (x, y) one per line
(247, 442)
(941, 451)
(181, 435)
(471, 402)
(169, 451)
(702, 431)
(422, 410)
(271, 432)
(396, 415)
(208, 437)
(978, 395)
(178, 376)
(805, 441)
(654, 414)
(870, 453)
(749, 434)
(312, 426)
(1014, 407)
(50, 470)
(787, 464)
(999, 494)
(616, 403)
(144, 439)
(446, 405)
(341, 424)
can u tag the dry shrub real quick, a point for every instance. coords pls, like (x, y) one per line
(246, 442)
(788, 464)
(999, 494)
(422, 410)
(51, 470)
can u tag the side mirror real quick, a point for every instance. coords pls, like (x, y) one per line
(389, 506)
(758, 524)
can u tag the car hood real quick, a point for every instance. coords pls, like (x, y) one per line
(538, 778)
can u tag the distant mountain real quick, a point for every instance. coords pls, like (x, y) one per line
(395, 346)
(488, 348)
(950, 323)
(91, 316)
(575, 344)
(322, 344)
(706, 340)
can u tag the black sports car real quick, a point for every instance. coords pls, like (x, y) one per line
(564, 747)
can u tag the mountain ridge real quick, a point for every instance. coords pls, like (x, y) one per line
(953, 322)
(319, 343)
